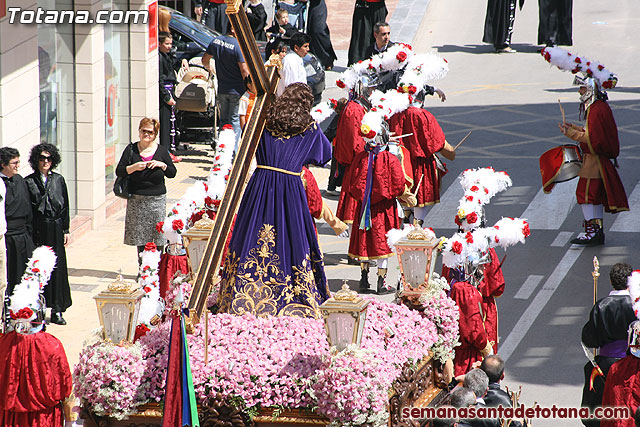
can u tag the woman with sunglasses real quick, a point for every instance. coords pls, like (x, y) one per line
(50, 206)
(147, 164)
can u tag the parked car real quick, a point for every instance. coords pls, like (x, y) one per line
(191, 39)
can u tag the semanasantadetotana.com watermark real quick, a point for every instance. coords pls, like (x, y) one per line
(42, 16)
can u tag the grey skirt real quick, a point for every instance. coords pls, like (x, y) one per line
(143, 213)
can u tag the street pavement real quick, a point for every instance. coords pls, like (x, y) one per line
(510, 103)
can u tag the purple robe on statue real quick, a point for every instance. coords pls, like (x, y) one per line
(274, 265)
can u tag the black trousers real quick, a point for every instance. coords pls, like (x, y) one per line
(365, 16)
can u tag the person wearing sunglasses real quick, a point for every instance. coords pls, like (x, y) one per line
(50, 207)
(147, 164)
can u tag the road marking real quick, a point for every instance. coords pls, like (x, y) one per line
(626, 221)
(442, 214)
(528, 286)
(562, 239)
(548, 211)
(539, 302)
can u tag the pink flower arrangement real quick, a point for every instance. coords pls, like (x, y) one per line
(282, 362)
(108, 377)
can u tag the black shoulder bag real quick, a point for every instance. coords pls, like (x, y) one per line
(121, 186)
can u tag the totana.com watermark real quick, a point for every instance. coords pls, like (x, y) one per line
(18, 15)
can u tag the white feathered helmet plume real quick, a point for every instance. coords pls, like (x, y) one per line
(479, 186)
(566, 61)
(26, 306)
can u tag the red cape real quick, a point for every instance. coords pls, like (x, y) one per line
(492, 286)
(603, 142)
(622, 388)
(388, 183)
(34, 379)
(473, 337)
(427, 139)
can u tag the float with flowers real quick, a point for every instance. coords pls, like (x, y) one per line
(358, 365)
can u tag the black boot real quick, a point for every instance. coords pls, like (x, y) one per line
(383, 289)
(364, 279)
(593, 234)
(56, 317)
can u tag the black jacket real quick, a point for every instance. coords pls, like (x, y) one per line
(50, 200)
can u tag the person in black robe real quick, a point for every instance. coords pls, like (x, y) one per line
(365, 15)
(50, 206)
(606, 329)
(167, 86)
(257, 16)
(498, 24)
(18, 213)
(318, 30)
(555, 22)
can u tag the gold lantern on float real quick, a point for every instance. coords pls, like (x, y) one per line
(344, 316)
(195, 242)
(118, 309)
(417, 255)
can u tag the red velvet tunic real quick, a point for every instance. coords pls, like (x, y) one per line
(622, 388)
(348, 144)
(427, 139)
(491, 286)
(34, 379)
(388, 183)
(473, 337)
(602, 142)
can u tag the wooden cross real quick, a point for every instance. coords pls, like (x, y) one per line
(265, 84)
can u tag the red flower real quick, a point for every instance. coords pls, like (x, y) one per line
(457, 221)
(472, 218)
(217, 158)
(216, 202)
(226, 177)
(35, 270)
(222, 146)
(486, 190)
(208, 201)
(147, 289)
(319, 111)
(340, 84)
(334, 103)
(474, 188)
(456, 247)
(575, 70)
(600, 67)
(469, 237)
(547, 56)
(206, 187)
(177, 224)
(589, 72)
(525, 230)
(607, 84)
(23, 313)
(371, 134)
(159, 226)
(469, 198)
(412, 89)
(497, 227)
(401, 56)
(497, 239)
(150, 246)
(577, 60)
(374, 109)
(216, 169)
(175, 211)
(227, 126)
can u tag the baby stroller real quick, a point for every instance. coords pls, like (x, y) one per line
(196, 113)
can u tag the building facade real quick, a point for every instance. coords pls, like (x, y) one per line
(81, 86)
